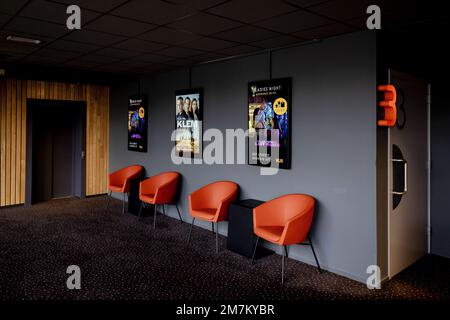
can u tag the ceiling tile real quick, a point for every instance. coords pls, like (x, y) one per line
(11, 6)
(97, 58)
(204, 24)
(80, 64)
(52, 53)
(168, 36)
(347, 9)
(54, 12)
(295, 21)
(4, 18)
(199, 4)
(252, 10)
(246, 34)
(238, 50)
(118, 53)
(209, 44)
(93, 37)
(306, 3)
(139, 45)
(97, 5)
(151, 58)
(180, 62)
(36, 28)
(156, 11)
(277, 42)
(324, 31)
(43, 60)
(178, 52)
(119, 26)
(72, 46)
(210, 56)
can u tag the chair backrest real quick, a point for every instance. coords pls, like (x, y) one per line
(165, 177)
(170, 181)
(217, 191)
(292, 205)
(283, 208)
(126, 173)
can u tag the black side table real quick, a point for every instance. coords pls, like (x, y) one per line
(241, 238)
(134, 204)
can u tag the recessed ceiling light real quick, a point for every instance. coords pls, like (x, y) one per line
(22, 39)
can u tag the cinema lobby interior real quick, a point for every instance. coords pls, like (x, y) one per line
(208, 151)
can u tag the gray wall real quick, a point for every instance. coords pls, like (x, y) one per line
(333, 139)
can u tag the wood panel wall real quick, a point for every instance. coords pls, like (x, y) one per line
(13, 107)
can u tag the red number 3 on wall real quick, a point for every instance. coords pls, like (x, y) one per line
(388, 104)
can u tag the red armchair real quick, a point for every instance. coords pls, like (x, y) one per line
(210, 203)
(159, 190)
(284, 221)
(119, 181)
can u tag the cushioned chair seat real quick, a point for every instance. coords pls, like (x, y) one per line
(270, 233)
(147, 198)
(204, 213)
(115, 188)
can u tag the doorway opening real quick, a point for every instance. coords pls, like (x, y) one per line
(56, 150)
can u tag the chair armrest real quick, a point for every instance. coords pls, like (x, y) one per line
(222, 210)
(166, 192)
(297, 228)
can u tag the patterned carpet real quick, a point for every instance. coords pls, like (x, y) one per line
(121, 257)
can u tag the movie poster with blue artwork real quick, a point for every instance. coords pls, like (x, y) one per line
(269, 113)
(137, 123)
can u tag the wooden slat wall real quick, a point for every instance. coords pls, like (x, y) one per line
(13, 95)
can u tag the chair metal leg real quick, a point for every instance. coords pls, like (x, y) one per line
(314, 253)
(212, 227)
(217, 236)
(140, 209)
(123, 204)
(282, 269)
(109, 199)
(286, 251)
(164, 210)
(190, 230)
(154, 218)
(179, 214)
(254, 250)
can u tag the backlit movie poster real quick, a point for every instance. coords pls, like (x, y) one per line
(269, 108)
(137, 123)
(188, 119)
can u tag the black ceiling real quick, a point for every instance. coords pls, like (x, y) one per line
(140, 36)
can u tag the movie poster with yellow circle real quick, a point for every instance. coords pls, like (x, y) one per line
(269, 114)
(137, 123)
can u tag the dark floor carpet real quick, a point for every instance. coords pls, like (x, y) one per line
(122, 257)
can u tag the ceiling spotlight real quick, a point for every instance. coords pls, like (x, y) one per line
(22, 39)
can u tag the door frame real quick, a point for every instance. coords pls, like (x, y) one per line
(79, 156)
(428, 174)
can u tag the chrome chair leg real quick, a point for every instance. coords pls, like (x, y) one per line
(179, 214)
(217, 236)
(140, 209)
(154, 218)
(314, 253)
(190, 230)
(254, 250)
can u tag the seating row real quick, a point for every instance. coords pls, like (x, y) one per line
(285, 220)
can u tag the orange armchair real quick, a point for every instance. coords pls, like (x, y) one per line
(159, 190)
(119, 181)
(210, 203)
(284, 221)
